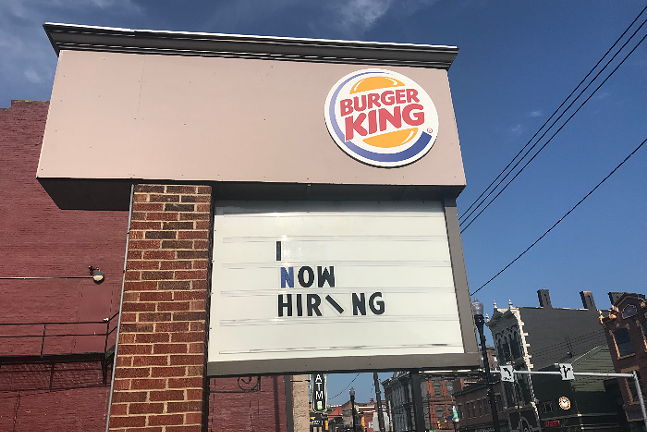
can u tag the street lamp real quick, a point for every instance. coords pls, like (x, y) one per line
(352, 403)
(477, 309)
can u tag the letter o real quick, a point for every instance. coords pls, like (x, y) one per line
(311, 276)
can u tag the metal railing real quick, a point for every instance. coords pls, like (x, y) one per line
(110, 327)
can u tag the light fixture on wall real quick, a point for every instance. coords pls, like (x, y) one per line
(95, 274)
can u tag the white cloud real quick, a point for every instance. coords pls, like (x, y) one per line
(33, 76)
(536, 113)
(346, 19)
(361, 15)
(515, 131)
(601, 95)
(27, 60)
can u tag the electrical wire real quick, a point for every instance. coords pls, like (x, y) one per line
(562, 218)
(352, 381)
(556, 132)
(552, 115)
(465, 216)
(471, 209)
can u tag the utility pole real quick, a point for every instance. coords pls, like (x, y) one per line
(477, 309)
(352, 403)
(378, 399)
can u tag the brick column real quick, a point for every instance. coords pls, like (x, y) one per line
(159, 369)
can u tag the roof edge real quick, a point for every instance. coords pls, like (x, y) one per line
(108, 39)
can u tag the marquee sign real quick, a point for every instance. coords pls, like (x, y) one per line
(302, 286)
(381, 118)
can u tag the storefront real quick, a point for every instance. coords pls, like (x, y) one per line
(286, 196)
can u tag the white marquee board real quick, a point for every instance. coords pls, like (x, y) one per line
(381, 286)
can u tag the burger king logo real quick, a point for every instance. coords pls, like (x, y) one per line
(381, 118)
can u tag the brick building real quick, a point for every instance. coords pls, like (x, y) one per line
(59, 382)
(438, 398)
(625, 327)
(474, 411)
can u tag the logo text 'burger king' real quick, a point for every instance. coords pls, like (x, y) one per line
(381, 118)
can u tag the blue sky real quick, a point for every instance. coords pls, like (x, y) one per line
(518, 60)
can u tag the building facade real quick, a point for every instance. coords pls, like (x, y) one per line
(625, 328)
(438, 399)
(531, 338)
(585, 403)
(474, 410)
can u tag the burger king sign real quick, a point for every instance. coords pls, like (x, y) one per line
(381, 118)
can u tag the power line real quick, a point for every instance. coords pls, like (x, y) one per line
(348, 385)
(556, 132)
(471, 209)
(562, 218)
(552, 115)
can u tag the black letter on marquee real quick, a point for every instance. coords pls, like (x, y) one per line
(359, 304)
(379, 310)
(324, 276)
(283, 304)
(311, 276)
(299, 305)
(313, 304)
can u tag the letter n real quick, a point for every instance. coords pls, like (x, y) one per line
(287, 277)
(359, 304)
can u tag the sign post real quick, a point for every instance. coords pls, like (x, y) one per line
(566, 370)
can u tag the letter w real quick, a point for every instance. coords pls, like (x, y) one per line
(324, 275)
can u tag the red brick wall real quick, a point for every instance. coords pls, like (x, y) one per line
(159, 376)
(38, 239)
(72, 397)
(260, 410)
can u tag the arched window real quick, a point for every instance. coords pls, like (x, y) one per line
(506, 349)
(514, 346)
(629, 311)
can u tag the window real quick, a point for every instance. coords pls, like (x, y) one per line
(460, 412)
(547, 407)
(473, 409)
(486, 404)
(499, 349)
(498, 402)
(633, 392)
(440, 413)
(437, 388)
(450, 388)
(480, 403)
(509, 393)
(631, 384)
(629, 311)
(506, 350)
(623, 342)
(514, 346)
